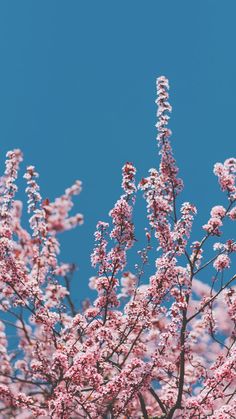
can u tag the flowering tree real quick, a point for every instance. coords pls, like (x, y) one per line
(162, 347)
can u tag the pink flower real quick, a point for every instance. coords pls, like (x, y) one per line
(213, 225)
(222, 262)
(128, 178)
(232, 214)
(218, 211)
(226, 176)
(160, 342)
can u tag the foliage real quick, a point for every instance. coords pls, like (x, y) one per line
(162, 347)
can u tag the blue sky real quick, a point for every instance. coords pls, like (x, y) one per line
(77, 91)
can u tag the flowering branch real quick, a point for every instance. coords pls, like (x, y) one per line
(157, 347)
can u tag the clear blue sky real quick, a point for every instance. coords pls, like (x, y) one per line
(77, 91)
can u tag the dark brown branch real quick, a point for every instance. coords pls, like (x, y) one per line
(157, 398)
(143, 406)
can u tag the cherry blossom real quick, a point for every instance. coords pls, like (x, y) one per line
(222, 262)
(158, 339)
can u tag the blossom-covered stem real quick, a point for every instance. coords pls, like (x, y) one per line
(212, 299)
(68, 296)
(207, 236)
(210, 261)
(178, 402)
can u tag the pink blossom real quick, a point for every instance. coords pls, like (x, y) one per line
(212, 227)
(218, 211)
(128, 179)
(232, 214)
(226, 175)
(159, 342)
(222, 262)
